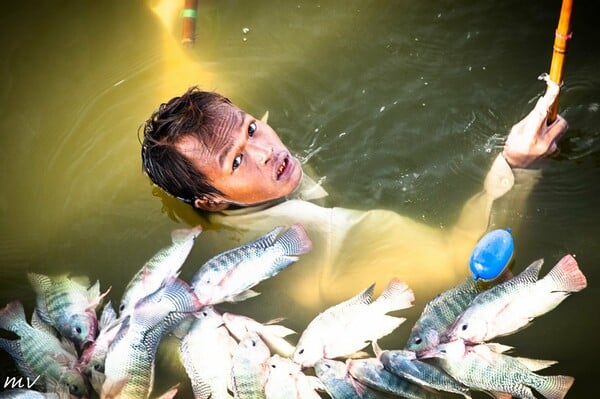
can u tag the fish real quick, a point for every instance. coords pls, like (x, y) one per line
(339, 384)
(249, 368)
(481, 368)
(165, 264)
(405, 364)
(92, 358)
(272, 334)
(40, 356)
(229, 276)
(439, 314)
(69, 305)
(206, 352)
(345, 328)
(286, 380)
(511, 306)
(29, 394)
(129, 363)
(371, 373)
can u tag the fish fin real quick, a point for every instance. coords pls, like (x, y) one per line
(295, 241)
(315, 383)
(170, 394)
(532, 272)
(242, 296)
(41, 325)
(82, 281)
(41, 283)
(555, 386)
(69, 347)
(499, 348)
(182, 235)
(112, 389)
(363, 298)
(96, 300)
(397, 295)
(97, 380)
(358, 355)
(567, 276)
(12, 314)
(499, 395)
(276, 330)
(265, 117)
(108, 316)
(376, 348)
(535, 364)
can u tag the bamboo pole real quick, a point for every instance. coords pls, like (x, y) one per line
(561, 36)
(189, 23)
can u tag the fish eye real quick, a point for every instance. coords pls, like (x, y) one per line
(251, 129)
(205, 313)
(418, 340)
(78, 329)
(237, 161)
(97, 366)
(301, 351)
(464, 327)
(122, 307)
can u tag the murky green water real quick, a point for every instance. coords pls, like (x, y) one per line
(395, 104)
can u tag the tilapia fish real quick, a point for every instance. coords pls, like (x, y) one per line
(165, 264)
(339, 384)
(481, 368)
(371, 372)
(346, 328)
(38, 354)
(68, 304)
(229, 277)
(249, 369)
(404, 364)
(206, 352)
(285, 380)
(129, 364)
(510, 306)
(439, 314)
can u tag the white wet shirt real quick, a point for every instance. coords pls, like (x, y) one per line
(353, 248)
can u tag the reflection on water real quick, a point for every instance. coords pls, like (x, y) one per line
(393, 105)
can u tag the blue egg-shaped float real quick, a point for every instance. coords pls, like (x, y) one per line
(492, 254)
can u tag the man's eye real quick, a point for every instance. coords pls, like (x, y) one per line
(251, 129)
(237, 161)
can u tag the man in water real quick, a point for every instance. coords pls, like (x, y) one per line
(205, 151)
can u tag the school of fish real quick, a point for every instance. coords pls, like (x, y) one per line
(67, 351)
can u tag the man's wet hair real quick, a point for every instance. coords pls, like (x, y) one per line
(192, 114)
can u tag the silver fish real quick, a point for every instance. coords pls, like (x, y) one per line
(229, 277)
(286, 380)
(481, 368)
(272, 334)
(68, 304)
(371, 372)
(129, 364)
(165, 264)
(40, 354)
(404, 364)
(206, 352)
(248, 372)
(339, 384)
(439, 314)
(511, 306)
(346, 328)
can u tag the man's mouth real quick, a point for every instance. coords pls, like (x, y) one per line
(282, 167)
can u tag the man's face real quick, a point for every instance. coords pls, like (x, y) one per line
(244, 159)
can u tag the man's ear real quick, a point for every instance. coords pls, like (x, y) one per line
(210, 204)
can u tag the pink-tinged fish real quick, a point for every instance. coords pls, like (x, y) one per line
(339, 384)
(286, 380)
(272, 334)
(511, 306)
(165, 264)
(481, 368)
(69, 305)
(249, 369)
(38, 354)
(229, 277)
(206, 352)
(346, 328)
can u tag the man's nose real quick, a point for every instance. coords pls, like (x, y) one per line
(261, 152)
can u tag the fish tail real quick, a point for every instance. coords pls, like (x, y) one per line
(182, 295)
(295, 241)
(566, 275)
(11, 316)
(397, 295)
(555, 386)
